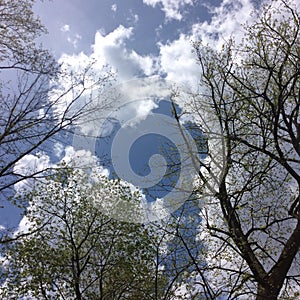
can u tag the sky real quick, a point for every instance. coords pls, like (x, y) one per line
(73, 24)
(141, 36)
(146, 43)
(136, 39)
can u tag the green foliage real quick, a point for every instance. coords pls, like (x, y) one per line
(78, 252)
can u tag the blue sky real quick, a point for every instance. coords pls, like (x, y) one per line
(73, 24)
(136, 38)
(141, 37)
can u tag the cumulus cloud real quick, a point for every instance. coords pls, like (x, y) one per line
(65, 28)
(30, 164)
(58, 149)
(108, 49)
(171, 8)
(36, 164)
(176, 58)
(114, 7)
(227, 21)
(72, 38)
(112, 49)
(135, 112)
(177, 61)
(144, 108)
(23, 227)
(82, 159)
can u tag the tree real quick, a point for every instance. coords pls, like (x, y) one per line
(80, 253)
(251, 218)
(42, 97)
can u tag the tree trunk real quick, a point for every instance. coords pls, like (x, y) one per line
(267, 293)
(77, 291)
(273, 284)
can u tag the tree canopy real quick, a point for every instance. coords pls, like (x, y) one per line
(39, 97)
(251, 220)
(237, 237)
(78, 252)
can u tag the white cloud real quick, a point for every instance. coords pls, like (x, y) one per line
(30, 164)
(65, 28)
(112, 49)
(144, 108)
(178, 62)
(145, 63)
(58, 149)
(23, 227)
(136, 112)
(114, 7)
(109, 49)
(132, 18)
(2, 227)
(175, 61)
(74, 40)
(81, 158)
(34, 163)
(226, 22)
(136, 18)
(171, 8)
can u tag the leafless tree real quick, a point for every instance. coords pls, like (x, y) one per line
(250, 225)
(39, 98)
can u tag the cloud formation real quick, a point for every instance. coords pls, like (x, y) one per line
(111, 49)
(226, 22)
(65, 28)
(175, 61)
(171, 8)
(72, 38)
(114, 7)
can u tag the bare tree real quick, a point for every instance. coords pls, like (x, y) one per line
(38, 97)
(251, 217)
